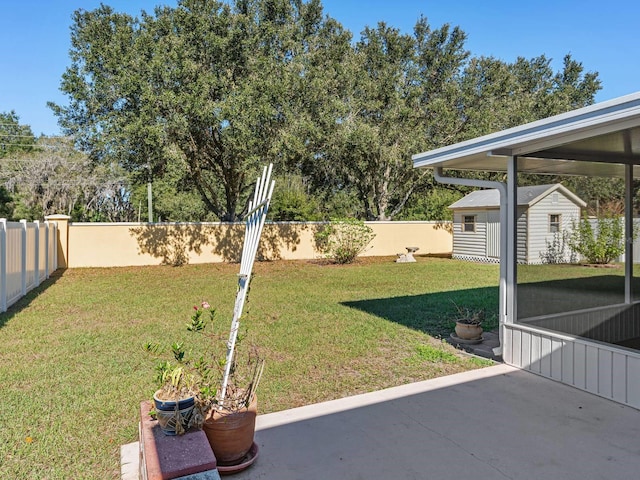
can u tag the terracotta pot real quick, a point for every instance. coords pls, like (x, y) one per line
(467, 331)
(230, 434)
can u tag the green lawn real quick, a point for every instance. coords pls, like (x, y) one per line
(74, 372)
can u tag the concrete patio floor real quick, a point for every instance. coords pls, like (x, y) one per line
(494, 423)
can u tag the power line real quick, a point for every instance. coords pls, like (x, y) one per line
(16, 135)
(35, 145)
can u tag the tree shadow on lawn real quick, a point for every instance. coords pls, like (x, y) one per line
(433, 313)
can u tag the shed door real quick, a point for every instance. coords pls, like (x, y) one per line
(493, 234)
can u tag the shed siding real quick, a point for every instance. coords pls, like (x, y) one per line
(539, 213)
(521, 228)
(469, 244)
(493, 234)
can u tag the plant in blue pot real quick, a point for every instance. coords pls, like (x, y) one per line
(178, 400)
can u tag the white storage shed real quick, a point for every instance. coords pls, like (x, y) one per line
(543, 212)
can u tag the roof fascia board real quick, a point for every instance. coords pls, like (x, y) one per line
(556, 137)
(598, 119)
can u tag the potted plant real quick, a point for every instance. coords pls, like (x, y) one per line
(175, 399)
(230, 423)
(190, 387)
(225, 387)
(469, 324)
(229, 408)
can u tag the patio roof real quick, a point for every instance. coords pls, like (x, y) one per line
(597, 140)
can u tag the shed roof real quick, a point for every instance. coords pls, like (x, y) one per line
(527, 196)
(597, 140)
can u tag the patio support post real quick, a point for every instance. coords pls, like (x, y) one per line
(628, 233)
(511, 254)
(502, 188)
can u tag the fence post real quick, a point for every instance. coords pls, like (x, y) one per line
(55, 246)
(47, 227)
(37, 255)
(3, 264)
(62, 243)
(23, 256)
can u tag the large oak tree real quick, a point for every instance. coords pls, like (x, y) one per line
(212, 83)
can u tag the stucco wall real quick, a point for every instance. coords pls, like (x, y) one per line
(127, 244)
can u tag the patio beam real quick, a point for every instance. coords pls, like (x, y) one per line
(583, 156)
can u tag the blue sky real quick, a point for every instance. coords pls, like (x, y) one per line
(604, 36)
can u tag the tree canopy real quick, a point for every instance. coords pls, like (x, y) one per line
(197, 97)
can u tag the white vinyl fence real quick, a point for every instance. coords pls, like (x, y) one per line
(28, 255)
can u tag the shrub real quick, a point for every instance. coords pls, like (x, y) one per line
(599, 245)
(558, 250)
(343, 240)
(292, 203)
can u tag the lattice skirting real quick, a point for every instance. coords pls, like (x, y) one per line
(477, 259)
(473, 258)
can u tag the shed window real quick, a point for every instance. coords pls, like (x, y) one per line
(469, 223)
(554, 223)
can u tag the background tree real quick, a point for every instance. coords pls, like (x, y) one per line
(206, 79)
(53, 177)
(14, 138)
(402, 93)
(292, 202)
(197, 97)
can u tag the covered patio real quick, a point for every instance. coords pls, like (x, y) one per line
(492, 423)
(582, 331)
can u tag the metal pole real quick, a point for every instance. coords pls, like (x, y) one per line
(628, 234)
(150, 202)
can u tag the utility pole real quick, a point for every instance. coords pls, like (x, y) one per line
(150, 202)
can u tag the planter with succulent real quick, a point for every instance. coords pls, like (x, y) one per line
(469, 324)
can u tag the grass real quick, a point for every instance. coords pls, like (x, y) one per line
(74, 372)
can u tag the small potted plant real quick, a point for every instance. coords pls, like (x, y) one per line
(469, 324)
(176, 398)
